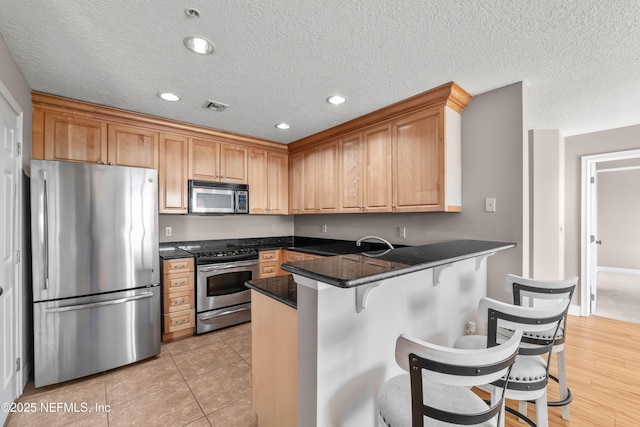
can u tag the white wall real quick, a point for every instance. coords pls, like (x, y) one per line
(195, 227)
(546, 149)
(12, 78)
(621, 139)
(494, 164)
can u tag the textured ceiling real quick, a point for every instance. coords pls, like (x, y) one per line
(277, 60)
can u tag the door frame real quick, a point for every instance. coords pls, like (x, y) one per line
(18, 241)
(588, 257)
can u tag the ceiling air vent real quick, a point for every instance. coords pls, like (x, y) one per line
(215, 106)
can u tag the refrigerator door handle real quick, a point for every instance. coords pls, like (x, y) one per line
(46, 228)
(100, 304)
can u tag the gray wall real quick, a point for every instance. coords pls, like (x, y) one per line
(194, 227)
(619, 219)
(12, 78)
(621, 139)
(494, 164)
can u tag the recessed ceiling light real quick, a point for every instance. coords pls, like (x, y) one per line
(199, 45)
(283, 126)
(336, 99)
(168, 96)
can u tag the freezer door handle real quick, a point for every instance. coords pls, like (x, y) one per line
(225, 313)
(100, 304)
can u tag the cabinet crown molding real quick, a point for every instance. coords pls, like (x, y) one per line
(44, 101)
(449, 94)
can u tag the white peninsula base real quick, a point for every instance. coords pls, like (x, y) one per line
(344, 355)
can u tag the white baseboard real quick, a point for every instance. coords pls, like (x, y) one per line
(618, 270)
(574, 310)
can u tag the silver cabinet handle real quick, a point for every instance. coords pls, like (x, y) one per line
(100, 304)
(224, 313)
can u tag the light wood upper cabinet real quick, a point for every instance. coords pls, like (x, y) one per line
(317, 187)
(278, 183)
(132, 146)
(211, 160)
(74, 139)
(365, 171)
(268, 182)
(405, 157)
(173, 191)
(296, 180)
(81, 139)
(418, 162)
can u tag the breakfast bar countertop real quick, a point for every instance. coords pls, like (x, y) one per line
(346, 271)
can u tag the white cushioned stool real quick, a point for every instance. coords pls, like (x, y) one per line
(436, 390)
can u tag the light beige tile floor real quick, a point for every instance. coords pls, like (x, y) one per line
(197, 381)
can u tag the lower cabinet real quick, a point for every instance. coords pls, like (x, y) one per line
(274, 361)
(178, 300)
(269, 263)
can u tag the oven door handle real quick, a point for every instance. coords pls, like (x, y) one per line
(224, 313)
(225, 267)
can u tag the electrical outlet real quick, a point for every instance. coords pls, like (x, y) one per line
(402, 232)
(470, 328)
(167, 231)
(323, 228)
(490, 204)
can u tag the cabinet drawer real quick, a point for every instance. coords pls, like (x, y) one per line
(268, 269)
(178, 301)
(178, 282)
(293, 256)
(179, 321)
(178, 265)
(269, 255)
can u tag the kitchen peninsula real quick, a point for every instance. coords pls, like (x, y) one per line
(341, 316)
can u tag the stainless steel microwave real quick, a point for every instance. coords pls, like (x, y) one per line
(215, 198)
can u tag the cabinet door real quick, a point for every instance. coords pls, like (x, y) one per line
(296, 183)
(258, 181)
(173, 174)
(132, 146)
(418, 162)
(277, 182)
(327, 178)
(350, 173)
(233, 163)
(310, 184)
(376, 179)
(203, 159)
(75, 139)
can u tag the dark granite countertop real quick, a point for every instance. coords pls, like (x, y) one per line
(170, 252)
(281, 288)
(351, 270)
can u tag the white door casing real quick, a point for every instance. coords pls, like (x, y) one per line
(589, 227)
(11, 241)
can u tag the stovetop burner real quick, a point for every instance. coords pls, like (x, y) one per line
(209, 255)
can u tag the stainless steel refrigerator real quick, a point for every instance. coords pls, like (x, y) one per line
(96, 293)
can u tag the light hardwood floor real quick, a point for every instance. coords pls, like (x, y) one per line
(603, 368)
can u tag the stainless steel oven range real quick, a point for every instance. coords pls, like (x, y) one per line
(222, 299)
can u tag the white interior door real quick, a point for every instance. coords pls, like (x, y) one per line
(9, 235)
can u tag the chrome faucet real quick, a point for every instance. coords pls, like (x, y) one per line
(380, 239)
